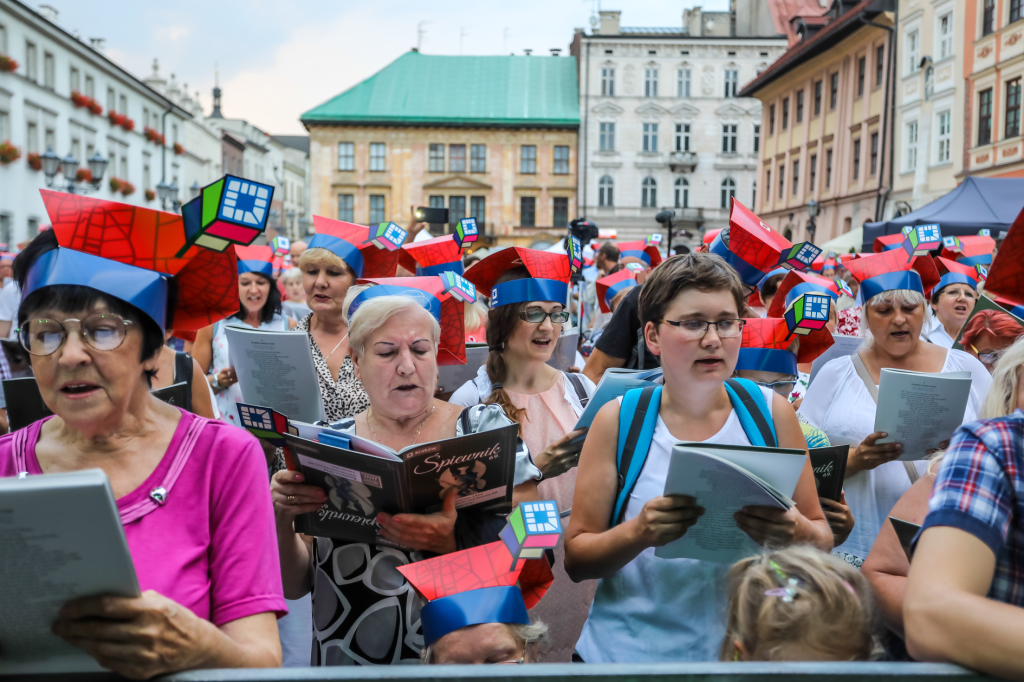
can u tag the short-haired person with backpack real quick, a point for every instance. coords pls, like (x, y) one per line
(523, 326)
(659, 610)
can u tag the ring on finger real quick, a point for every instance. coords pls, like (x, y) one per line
(291, 499)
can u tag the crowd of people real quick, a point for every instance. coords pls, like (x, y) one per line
(228, 582)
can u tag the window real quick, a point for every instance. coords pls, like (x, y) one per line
(817, 98)
(527, 211)
(796, 176)
(31, 138)
(813, 168)
(945, 136)
(753, 193)
(729, 138)
(799, 106)
(833, 94)
(5, 126)
(650, 82)
(874, 153)
(828, 168)
(862, 65)
(145, 115)
(377, 156)
(436, 159)
(732, 82)
(683, 83)
(985, 117)
(5, 228)
(3, 39)
(988, 17)
(785, 113)
(728, 192)
(478, 210)
(911, 155)
(607, 139)
(757, 137)
(856, 159)
(771, 119)
(436, 202)
(1014, 10)
(946, 35)
(377, 209)
(608, 81)
(456, 209)
(913, 51)
(1012, 108)
(561, 162)
(682, 191)
(31, 62)
(605, 189)
(768, 181)
(650, 137)
(560, 212)
(528, 159)
(879, 60)
(649, 193)
(123, 105)
(346, 156)
(90, 86)
(346, 208)
(782, 180)
(49, 71)
(478, 159)
(75, 80)
(682, 137)
(456, 159)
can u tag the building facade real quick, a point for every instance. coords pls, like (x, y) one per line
(993, 68)
(488, 137)
(66, 95)
(662, 125)
(824, 123)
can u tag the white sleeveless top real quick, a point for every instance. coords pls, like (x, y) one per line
(661, 610)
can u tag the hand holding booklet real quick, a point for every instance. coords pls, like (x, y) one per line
(724, 479)
(921, 410)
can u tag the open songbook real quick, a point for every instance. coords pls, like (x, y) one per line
(920, 409)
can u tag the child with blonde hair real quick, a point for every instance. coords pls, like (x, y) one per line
(798, 604)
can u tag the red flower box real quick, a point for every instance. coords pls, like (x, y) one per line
(154, 136)
(127, 124)
(127, 188)
(95, 108)
(178, 149)
(115, 118)
(78, 99)
(34, 162)
(150, 195)
(7, 64)
(115, 185)
(83, 175)
(9, 153)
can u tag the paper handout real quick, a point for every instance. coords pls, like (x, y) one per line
(564, 355)
(920, 410)
(614, 384)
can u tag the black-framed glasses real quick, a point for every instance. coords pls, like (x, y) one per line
(102, 331)
(783, 388)
(696, 329)
(988, 357)
(537, 316)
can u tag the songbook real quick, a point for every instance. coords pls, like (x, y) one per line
(840, 348)
(829, 466)
(614, 384)
(920, 409)
(564, 355)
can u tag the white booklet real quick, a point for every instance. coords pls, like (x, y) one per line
(724, 479)
(843, 346)
(564, 355)
(275, 369)
(615, 383)
(452, 377)
(60, 538)
(919, 409)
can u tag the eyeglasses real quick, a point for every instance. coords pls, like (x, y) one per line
(520, 661)
(537, 316)
(696, 329)
(988, 357)
(783, 388)
(957, 292)
(103, 331)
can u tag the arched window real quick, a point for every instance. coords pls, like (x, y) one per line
(605, 188)
(682, 193)
(728, 192)
(649, 193)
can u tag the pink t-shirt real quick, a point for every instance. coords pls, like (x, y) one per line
(211, 546)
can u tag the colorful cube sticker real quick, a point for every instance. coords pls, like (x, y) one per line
(653, 240)
(264, 422)
(281, 245)
(844, 288)
(951, 243)
(387, 236)
(231, 210)
(920, 239)
(809, 312)
(799, 256)
(985, 232)
(575, 254)
(458, 286)
(532, 527)
(466, 232)
(635, 267)
(982, 271)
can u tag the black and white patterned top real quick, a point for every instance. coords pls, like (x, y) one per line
(344, 398)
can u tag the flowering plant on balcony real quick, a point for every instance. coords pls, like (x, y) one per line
(95, 108)
(8, 153)
(153, 135)
(7, 64)
(34, 162)
(83, 175)
(127, 188)
(116, 118)
(115, 185)
(128, 124)
(178, 149)
(150, 195)
(85, 102)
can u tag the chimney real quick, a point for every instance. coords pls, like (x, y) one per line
(49, 13)
(556, 51)
(98, 44)
(609, 22)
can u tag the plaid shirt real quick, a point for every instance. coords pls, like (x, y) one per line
(980, 490)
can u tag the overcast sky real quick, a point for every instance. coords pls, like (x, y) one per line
(279, 59)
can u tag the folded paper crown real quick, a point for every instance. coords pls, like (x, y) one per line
(970, 249)
(352, 244)
(258, 259)
(548, 281)
(766, 341)
(647, 252)
(753, 248)
(890, 270)
(1006, 274)
(609, 287)
(797, 283)
(432, 256)
(952, 272)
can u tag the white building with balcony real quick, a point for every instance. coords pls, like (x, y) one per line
(660, 123)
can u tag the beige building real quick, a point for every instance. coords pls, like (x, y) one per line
(489, 137)
(823, 130)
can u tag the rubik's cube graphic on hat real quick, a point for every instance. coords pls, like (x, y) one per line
(265, 423)
(532, 527)
(809, 312)
(799, 256)
(575, 253)
(281, 245)
(466, 232)
(654, 239)
(920, 239)
(458, 286)
(387, 236)
(231, 210)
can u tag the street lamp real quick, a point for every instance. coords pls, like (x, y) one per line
(665, 218)
(813, 209)
(97, 167)
(167, 194)
(68, 167)
(50, 164)
(173, 190)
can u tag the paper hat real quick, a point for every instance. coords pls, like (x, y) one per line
(797, 283)
(776, 271)
(475, 586)
(918, 240)
(231, 210)
(890, 270)
(387, 236)
(351, 243)
(710, 235)
(609, 287)
(282, 246)
(887, 242)
(432, 256)
(548, 281)
(432, 294)
(258, 259)
(969, 250)
(766, 341)
(808, 312)
(952, 272)
(1006, 274)
(648, 253)
(130, 253)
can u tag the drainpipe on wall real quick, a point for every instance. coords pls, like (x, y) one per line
(585, 132)
(889, 115)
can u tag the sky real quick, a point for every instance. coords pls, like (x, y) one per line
(279, 59)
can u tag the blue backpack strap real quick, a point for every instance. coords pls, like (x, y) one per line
(638, 415)
(755, 415)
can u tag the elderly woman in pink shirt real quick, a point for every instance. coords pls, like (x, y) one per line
(193, 493)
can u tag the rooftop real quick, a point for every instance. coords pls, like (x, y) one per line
(419, 89)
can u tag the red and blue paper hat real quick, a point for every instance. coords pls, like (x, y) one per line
(887, 242)
(798, 283)
(441, 298)
(432, 256)
(1006, 275)
(890, 270)
(357, 245)
(258, 259)
(952, 272)
(609, 287)
(548, 281)
(475, 586)
(766, 342)
(645, 250)
(710, 235)
(969, 250)
(130, 253)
